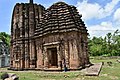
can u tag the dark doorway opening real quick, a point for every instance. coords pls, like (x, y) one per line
(52, 57)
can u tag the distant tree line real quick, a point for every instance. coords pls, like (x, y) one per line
(107, 46)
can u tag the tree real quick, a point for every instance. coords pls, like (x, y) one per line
(116, 43)
(109, 45)
(95, 46)
(5, 38)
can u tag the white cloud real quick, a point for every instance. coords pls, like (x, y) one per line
(101, 29)
(116, 19)
(90, 11)
(117, 15)
(94, 10)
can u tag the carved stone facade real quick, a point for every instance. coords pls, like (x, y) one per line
(48, 38)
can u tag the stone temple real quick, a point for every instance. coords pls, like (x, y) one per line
(49, 38)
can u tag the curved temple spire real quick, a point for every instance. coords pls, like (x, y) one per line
(31, 1)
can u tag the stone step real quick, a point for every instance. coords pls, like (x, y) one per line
(93, 70)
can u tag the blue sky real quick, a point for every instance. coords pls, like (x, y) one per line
(100, 16)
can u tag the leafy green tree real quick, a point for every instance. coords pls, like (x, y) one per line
(95, 46)
(116, 43)
(5, 38)
(107, 46)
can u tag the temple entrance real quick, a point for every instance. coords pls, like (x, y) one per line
(52, 57)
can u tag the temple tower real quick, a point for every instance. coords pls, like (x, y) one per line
(25, 17)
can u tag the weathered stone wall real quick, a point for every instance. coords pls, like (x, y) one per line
(71, 49)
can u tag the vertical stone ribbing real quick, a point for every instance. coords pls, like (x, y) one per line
(26, 26)
(21, 23)
(11, 43)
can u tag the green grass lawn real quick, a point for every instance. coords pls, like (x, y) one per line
(107, 73)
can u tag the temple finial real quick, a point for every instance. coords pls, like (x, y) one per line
(31, 1)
